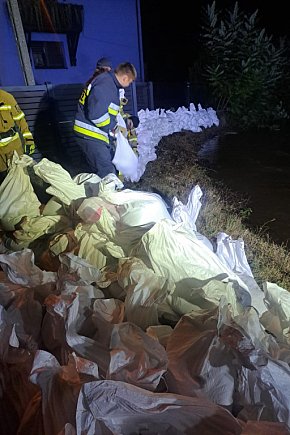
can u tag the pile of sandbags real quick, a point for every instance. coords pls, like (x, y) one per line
(117, 316)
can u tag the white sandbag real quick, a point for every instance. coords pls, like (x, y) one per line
(157, 123)
(199, 363)
(26, 314)
(95, 246)
(263, 382)
(277, 318)
(61, 184)
(93, 210)
(17, 197)
(91, 183)
(137, 208)
(60, 387)
(16, 356)
(135, 357)
(132, 410)
(32, 228)
(111, 310)
(53, 207)
(132, 213)
(90, 211)
(74, 269)
(85, 346)
(160, 333)
(263, 393)
(175, 252)
(85, 177)
(125, 159)
(20, 269)
(122, 351)
(208, 297)
(144, 291)
(8, 290)
(232, 253)
(110, 183)
(264, 428)
(252, 344)
(53, 326)
(187, 213)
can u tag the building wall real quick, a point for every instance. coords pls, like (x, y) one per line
(110, 29)
(10, 67)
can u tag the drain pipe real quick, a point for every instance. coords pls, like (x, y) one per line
(21, 41)
(140, 45)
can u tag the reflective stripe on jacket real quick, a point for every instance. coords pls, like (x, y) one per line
(90, 130)
(98, 107)
(12, 119)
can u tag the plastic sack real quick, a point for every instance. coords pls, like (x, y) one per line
(140, 208)
(125, 159)
(110, 407)
(120, 121)
(188, 213)
(17, 197)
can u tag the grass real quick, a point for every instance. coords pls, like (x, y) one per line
(177, 170)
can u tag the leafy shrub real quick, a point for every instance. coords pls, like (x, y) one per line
(244, 69)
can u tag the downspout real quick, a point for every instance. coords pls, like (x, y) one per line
(21, 42)
(140, 45)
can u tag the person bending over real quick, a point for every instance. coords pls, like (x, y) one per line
(95, 118)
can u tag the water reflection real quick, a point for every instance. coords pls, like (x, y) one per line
(258, 167)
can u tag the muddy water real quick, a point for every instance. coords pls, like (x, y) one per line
(258, 168)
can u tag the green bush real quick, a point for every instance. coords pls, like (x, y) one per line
(244, 69)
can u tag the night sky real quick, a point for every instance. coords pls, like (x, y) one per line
(170, 32)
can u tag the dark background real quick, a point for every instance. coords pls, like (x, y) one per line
(171, 31)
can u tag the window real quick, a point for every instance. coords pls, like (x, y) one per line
(46, 54)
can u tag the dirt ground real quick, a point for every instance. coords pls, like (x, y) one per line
(176, 154)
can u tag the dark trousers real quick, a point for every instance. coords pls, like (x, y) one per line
(98, 154)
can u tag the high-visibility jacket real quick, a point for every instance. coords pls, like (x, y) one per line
(98, 107)
(14, 130)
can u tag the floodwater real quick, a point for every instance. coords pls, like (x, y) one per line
(257, 167)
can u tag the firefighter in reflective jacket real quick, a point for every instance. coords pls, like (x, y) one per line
(14, 131)
(95, 120)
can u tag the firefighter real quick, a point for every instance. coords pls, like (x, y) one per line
(103, 65)
(95, 120)
(14, 131)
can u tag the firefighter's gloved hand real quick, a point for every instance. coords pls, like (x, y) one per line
(113, 132)
(29, 148)
(123, 131)
(124, 101)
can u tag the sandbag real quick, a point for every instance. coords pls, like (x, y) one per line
(17, 197)
(125, 159)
